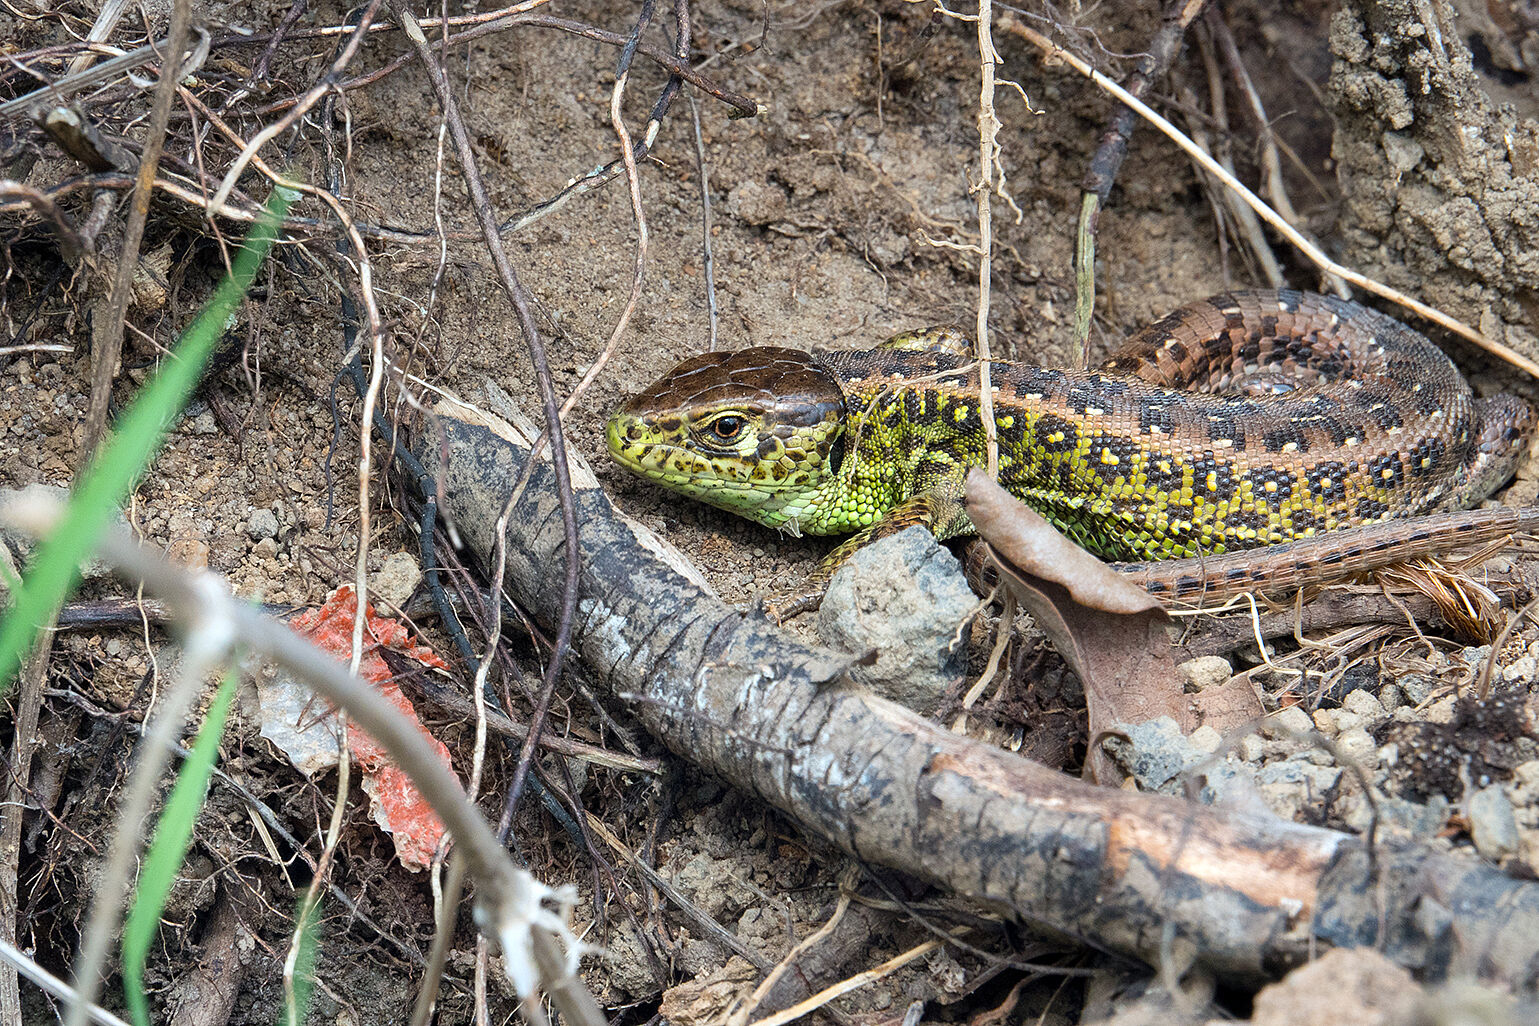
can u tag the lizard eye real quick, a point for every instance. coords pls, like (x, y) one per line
(727, 428)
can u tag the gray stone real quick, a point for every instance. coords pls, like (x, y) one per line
(263, 524)
(1160, 758)
(1527, 775)
(1400, 819)
(1363, 704)
(906, 597)
(1493, 824)
(1292, 785)
(1206, 739)
(1520, 669)
(1418, 687)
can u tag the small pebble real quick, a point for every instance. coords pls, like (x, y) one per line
(1364, 705)
(1493, 824)
(1417, 687)
(263, 524)
(1358, 745)
(1206, 739)
(1520, 669)
(1205, 672)
(1527, 775)
(1292, 722)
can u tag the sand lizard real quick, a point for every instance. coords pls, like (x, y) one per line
(1310, 425)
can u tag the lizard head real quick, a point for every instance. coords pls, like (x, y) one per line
(757, 432)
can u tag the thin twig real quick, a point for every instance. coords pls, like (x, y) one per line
(72, 243)
(988, 160)
(15, 957)
(827, 994)
(509, 898)
(107, 327)
(536, 345)
(1109, 155)
(628, 155)
(708, 260)
(1271, 166)
(208, 639)
(24, 741)
(301, 106)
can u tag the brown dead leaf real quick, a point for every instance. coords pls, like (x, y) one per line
(1112, 633)
(1228, 707)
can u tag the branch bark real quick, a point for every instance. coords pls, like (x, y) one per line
(1246, 895)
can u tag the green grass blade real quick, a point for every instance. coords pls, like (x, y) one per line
(118, 465)
(173, 836)
(308, 931)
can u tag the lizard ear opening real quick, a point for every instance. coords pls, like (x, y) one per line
(836, 454)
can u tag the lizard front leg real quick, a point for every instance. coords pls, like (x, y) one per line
(940, 510)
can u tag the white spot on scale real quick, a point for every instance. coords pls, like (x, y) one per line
(1351, 441)
(1290, 447)
(1335, 320)
(1222, 443)
(1035, 397)
(1094, 411)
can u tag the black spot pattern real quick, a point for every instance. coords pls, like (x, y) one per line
(1386, 471)
(1049, 425)
(1222, 486)
(1426, 456)
(1338, 431)
(1371, 509)
(1388, 417)
(1325, 480)
(1121, 451)
(1156, 413)
(1281, 481)
(1164, 473)
(1276, 439)
(1222, 427)
(1249, 519)
(836, 455)
(1302, 520)
(1035, 380)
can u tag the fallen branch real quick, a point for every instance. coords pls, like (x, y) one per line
(1247, 895)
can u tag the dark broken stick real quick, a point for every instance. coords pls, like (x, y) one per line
(1245, 895)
